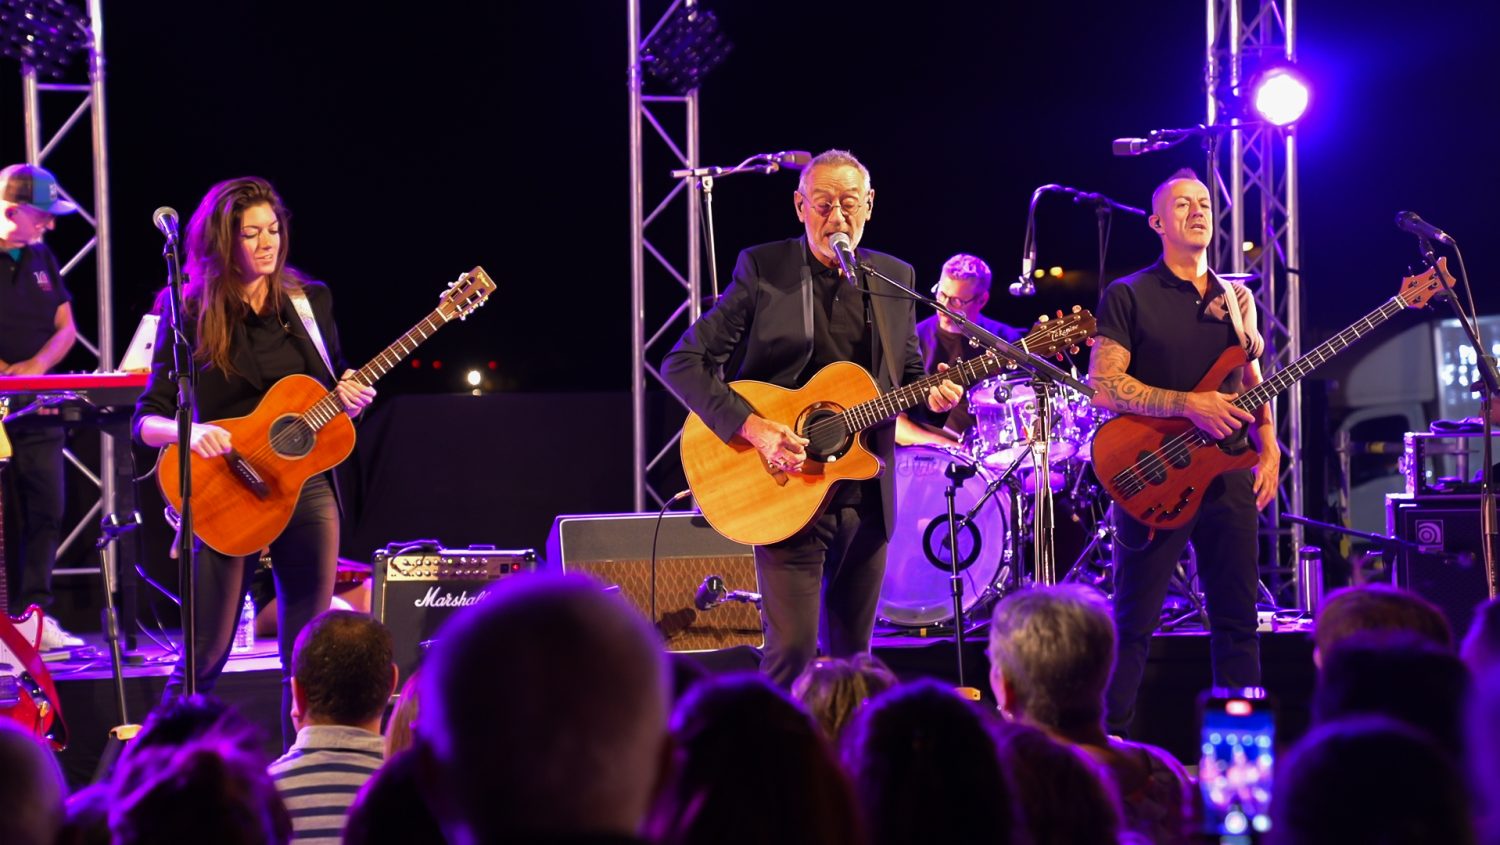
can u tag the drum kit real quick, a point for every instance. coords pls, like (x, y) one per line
(994, 506)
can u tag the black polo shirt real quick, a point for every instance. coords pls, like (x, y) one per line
(31, 289)
(1173, 334)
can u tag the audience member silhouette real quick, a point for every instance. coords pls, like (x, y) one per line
(1369, 779)
(751, 767)
(1377, 607)
(544, 712)
(925, 769)
(833, 688)
(1052, 650)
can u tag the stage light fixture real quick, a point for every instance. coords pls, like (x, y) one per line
(43, 34)
(1279, 95)
(685, 49)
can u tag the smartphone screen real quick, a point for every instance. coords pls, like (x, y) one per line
(1234, 773)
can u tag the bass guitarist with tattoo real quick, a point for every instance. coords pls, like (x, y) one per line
(1160, 331)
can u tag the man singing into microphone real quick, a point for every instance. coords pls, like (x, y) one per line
(788, 313)
(1160, 330)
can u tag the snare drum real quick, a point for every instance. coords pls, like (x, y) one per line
(918, 564)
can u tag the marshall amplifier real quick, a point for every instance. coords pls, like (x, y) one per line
(1450, 571)
(693, 613)
(419, 585)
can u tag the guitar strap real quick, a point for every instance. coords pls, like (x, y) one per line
(309, 322)
(1240, 304)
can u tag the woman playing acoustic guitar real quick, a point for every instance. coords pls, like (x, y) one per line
(250, 320)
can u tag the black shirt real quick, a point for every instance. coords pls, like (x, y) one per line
(1174, 335)
(841, 321)
(270, 339)
(31, 290)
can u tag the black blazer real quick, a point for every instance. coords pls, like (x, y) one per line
(762, 328)
(221, 395)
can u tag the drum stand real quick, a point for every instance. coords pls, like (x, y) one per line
(956, 474)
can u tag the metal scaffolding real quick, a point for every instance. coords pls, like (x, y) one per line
(1257, 163)
(686, 270)
(39, 146)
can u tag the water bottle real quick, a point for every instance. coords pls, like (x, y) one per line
(244, 633)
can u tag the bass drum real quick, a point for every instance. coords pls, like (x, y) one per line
(918, 564)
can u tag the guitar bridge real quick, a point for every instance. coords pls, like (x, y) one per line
(246, 475)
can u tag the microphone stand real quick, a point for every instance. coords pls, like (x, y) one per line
(186, 376)
(702, 179)
(111, 528)
(1491, 379)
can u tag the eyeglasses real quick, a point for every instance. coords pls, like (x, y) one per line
(953, 301)
(849, 206)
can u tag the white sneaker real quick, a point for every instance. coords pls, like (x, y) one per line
(55, 636)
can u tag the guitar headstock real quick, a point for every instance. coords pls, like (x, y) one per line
(465, 294)
(1417, 290)
(1054, 335)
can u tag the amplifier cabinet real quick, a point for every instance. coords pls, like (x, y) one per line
(1452, 575)
(615, 549)
(418, 586)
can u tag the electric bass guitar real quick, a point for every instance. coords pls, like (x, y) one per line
(1157, 468)
(749, 501)
(243, 500)
(27, 695)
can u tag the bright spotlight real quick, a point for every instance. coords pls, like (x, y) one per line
(473, 378)
(1280, 96)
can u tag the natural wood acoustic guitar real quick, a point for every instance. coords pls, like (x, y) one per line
(751, 502)
(243, 500)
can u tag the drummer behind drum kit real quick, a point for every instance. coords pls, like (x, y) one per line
(994, 539)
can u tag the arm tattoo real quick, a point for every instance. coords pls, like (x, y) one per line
(1125, 394)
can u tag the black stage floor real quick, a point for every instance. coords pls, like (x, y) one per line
(1178, 670)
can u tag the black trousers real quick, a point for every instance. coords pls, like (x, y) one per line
(1224, 535)
(304, 562)
(36, 466)
(822, 583)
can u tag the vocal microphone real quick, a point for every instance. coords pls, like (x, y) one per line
(1408, 221)
(165, 219)
(1156, 139)
(838, 242)
(1025, 284)
(791, 159)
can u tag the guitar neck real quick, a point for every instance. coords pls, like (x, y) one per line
(888, 405)
(1264, 392)
(329, 406)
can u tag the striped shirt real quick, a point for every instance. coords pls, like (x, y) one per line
(319, 777)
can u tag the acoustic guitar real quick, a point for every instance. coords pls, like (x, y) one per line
(27, 695)
(751, 502)
(243, 500)
(1156, 468)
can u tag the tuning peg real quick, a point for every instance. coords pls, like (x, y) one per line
(1042, 318)
(1089, 342)
(1077, 308)
(1059, 312)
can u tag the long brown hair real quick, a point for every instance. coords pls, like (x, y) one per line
(213, 243)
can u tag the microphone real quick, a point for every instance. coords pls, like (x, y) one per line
(838, 242)
(1156, 139)
(165, 219)
(1025, 285)
(1408, 221)
(710, 593)
(791, 159)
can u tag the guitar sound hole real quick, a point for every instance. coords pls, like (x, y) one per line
(829, 436)
(291, 437)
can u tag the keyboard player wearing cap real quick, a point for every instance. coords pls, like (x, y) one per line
(36, 331)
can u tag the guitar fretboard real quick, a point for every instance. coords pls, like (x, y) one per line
(330, 406)
(1288, 375)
